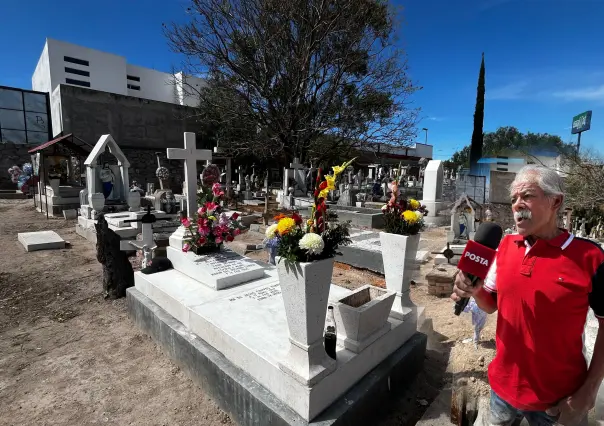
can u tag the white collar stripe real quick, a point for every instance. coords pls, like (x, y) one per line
(567, 242)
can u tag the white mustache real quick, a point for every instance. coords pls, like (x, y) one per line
(523, 214)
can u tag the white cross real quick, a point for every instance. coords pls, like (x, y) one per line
(147, 245)
(191, 155)
(297, 166)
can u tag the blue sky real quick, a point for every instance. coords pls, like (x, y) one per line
(544, 58)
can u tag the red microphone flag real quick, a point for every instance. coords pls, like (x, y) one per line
(476, 259)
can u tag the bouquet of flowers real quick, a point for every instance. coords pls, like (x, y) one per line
(403, 217)
(210, 227)
(320, 236)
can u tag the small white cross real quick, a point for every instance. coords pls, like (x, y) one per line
(190, 154)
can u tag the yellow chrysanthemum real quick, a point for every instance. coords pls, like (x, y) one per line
(410, 216)
(285, 225)
(324, 193)
(309, 222)
(414, 204)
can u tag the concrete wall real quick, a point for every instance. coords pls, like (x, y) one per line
(187, 88)
(40, 81)
(108, 73)
(139, 126)
(500, 187)
(154, 85)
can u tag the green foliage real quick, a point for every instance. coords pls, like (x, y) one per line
(507, 139)
(477, 134)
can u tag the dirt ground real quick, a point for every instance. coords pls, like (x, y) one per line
(69, 357)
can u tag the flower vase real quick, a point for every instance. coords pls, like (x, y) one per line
(305, 290)
(398, 254)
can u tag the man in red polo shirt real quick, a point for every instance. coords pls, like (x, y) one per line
(542, 284)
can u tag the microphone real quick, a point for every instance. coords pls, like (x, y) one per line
(478, 256)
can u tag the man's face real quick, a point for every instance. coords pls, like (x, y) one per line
(532, 209)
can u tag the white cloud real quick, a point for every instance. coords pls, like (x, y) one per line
(510, 91)
(436, 118)
(595, 93)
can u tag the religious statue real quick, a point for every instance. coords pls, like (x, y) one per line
(169, 203)
(488, 215)
(135, 187)
(107, 178)
(464, 230)
(248, 186)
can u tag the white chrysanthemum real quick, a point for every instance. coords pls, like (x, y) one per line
(419, 215)
(313, 243)
(271, 231)
(384, 207)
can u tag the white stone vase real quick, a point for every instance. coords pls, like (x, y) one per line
(305, 291)
(398, 254)
(97, 201)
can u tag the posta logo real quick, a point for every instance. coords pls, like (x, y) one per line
(477, 258)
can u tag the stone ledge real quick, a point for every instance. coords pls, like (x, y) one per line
(246, 400)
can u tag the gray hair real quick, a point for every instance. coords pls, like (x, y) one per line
(547, 179)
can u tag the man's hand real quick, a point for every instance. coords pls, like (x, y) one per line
(464, 288)
(573, 409)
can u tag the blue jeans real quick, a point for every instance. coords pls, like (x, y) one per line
(503, 414)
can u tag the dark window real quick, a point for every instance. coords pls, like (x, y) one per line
(531, 162)
(75, 61)
(133, 87)
(502, 163)
(503, 157)
(502, 169)
(78, 72)
(133, 78)
(77, 82)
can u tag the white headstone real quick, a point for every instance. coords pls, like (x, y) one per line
(433, 181)
(300, 178)
(190, 154)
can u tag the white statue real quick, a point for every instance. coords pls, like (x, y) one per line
(108, 179)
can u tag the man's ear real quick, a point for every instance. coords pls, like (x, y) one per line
(557, 201)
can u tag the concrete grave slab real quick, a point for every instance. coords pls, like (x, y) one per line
(41, 240)
(70, 214)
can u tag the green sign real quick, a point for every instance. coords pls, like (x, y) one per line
(581, 122)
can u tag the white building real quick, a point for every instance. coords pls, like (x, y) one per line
(67, 63)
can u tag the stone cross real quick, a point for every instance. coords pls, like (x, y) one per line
(147, 245)
(190, 154)
(297, 167)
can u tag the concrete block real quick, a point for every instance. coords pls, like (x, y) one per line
(41, 240)
(70, 214)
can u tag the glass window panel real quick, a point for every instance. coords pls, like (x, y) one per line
(36, 122)
(10, 119)
(11, 99)
(34, 102)
(13, 136)
(37, 138)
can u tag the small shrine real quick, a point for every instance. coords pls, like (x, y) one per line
(58, 166)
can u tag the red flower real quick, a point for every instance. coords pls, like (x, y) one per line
(234, 216)
(202, 240)
(297, 218)
(323, 185)
(229, 238)
(236, 231)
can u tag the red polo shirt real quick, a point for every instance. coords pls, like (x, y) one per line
(543, 293)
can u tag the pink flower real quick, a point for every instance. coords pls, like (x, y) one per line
(204, 230)
(211, 206)
(218, 240)
(201, 210)
(186, 248)
(217, 231)
(236, 231)
(185, 222)
(202, 241)
(217, 190)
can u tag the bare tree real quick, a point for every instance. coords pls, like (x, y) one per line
(584, 177)
(282, 74)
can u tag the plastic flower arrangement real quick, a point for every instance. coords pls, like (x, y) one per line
(210, 227)
(317, 238)
(401, 216)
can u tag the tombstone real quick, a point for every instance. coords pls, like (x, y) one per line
(433, 191)
(252, 179)
(150, 189)
(266, 188)
(190, 154)
(360, 178)
(300, 189)
(147, 245)
(240, 181)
